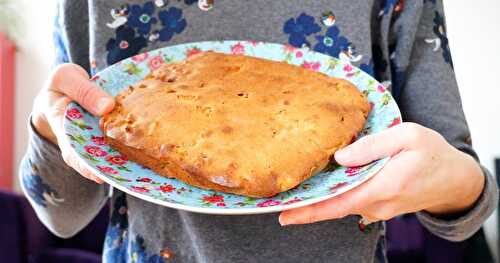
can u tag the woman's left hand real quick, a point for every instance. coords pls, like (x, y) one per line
(424, 173)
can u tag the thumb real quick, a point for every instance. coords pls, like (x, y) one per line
(73, 81)
(373, 147)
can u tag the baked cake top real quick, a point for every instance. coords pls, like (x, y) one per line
(252, 125)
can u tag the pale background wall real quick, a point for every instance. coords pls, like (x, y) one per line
(474, 34)
(473, 29)
(34, 60)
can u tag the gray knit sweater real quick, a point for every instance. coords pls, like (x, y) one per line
(403, 43)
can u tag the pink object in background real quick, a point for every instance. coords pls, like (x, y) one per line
(7, 71)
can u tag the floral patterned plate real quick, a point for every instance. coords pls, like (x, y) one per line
(85, 136)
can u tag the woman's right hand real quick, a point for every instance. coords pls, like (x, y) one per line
(68, 82)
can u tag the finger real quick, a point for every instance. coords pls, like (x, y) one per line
(349, 203)
(377, 146)
(74, 162)
(385, 186)
(334, 208)
(366, 220)
(71, 160)
(380, 211)
(397, 193)
(55, 113)
(73, 81)
(328, 209)
(55, 117)
(381, 197)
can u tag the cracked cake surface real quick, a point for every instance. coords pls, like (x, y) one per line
(235, 123)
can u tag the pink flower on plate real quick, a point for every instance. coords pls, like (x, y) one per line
(140, 57)
(253, 42)
(335, 187)
(352, 171)
(97, 140)
(117, 159)
(238, 49)
(268, 203)
(192, 51)
(380, 88)
(314, 66)
(348, 68)
(299, 54)
(167, 188)
(213, 198)
(107, 170)
(394, 122)
(95, 151)
(74, 114)
(292, 201)
(155, 62)
(140, 189)
(144, 180)
(221, 204)
(289, 48)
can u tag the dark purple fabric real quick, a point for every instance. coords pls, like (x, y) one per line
(409, 242)
(437, 250)
(91, 238)
(64, 255)
(23, 238)
(34, 235)
(405, 240)
(10, 227)
(408, 228)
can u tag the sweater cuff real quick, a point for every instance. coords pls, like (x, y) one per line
(41, 149)
(467, 224)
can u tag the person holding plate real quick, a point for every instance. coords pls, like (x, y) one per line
(433, 170)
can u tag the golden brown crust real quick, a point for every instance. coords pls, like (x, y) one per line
(235, 124)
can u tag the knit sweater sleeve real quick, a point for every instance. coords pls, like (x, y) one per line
(424, 85)
(62, 199)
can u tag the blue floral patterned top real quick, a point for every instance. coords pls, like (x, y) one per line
(401, 43)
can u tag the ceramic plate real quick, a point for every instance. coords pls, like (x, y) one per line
(83, 131)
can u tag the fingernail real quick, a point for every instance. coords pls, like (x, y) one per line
(342, 154)
(283, 221)
(99, 181)
(103, 104)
